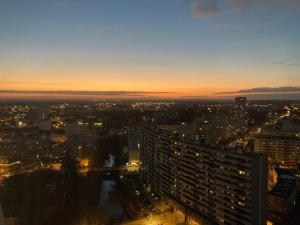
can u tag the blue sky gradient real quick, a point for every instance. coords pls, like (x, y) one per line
(185, 46)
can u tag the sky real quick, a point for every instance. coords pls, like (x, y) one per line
(157, 48)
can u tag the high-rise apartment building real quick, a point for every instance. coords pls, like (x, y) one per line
(240, 101)
(281, 151)
(240, 115)
(224, 186)
(214, 127)
(281, 143)
(222, 124)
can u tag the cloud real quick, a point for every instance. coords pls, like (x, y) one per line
(261, 93)
(82, 93)
(241, 5)
(202, 8)
(288, 62)
(265, 93)
(281, 62)
(196, 96)
(264, 90)
(206, 8)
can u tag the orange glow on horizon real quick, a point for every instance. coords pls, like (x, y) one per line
(159, 84)
(86, 97)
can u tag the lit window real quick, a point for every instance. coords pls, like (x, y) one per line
(241, 172)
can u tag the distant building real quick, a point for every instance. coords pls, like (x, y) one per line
(58, 137)
(189, 130)
(75, 129)
(219, 126)
(224, 186)
(214, 127)
(45, 125)
(8, 166)
(57, 153)
(240, 115)
(240, 102)
(281, 151)
(134, 158)
(133, 144)
(84, 155)
(281, 143)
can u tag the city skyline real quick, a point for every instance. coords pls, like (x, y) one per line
(139, 112)
(170, 49)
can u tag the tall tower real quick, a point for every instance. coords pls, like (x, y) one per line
(240, 102)
(240, 119)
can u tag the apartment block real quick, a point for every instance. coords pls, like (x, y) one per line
(223, 186)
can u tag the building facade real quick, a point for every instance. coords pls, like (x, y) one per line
(241, 102)
(225, 187)
(281, 143)
(281, 151)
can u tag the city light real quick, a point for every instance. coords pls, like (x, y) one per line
(163, 112)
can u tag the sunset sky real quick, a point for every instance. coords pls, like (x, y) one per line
(166, 48)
